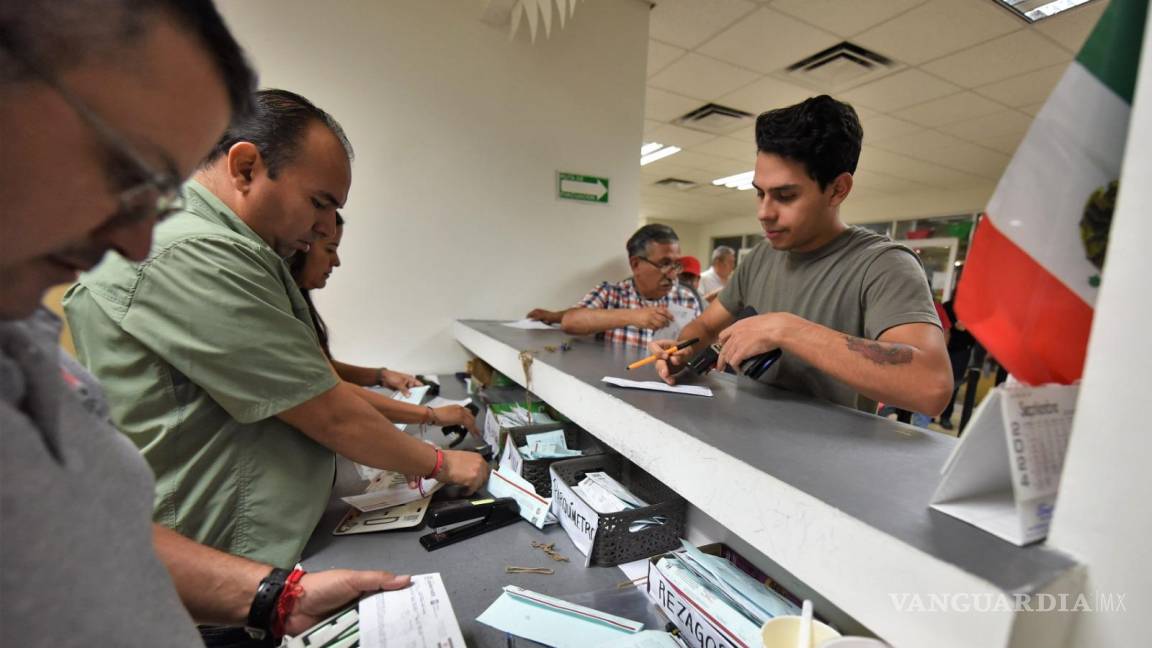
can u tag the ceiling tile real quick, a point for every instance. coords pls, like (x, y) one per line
(947, 151)
(679, 136)
(649, 126)
(947, 110)
(664, 106)
(702, 77)
(844, 17)
(1071, 28)
(768, 41)
(938, 27)
(1030, 88)
(765, 94)
(1033, 108)
(898, 90)
(885, 183)
(718, 166)
(882, 127)
(874, 159)
(727, 147)
(1004, 57)
(660, 55)
(1001, 131)
(687, 23)
(1005, 122)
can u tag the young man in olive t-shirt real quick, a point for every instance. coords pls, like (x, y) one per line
(851, 310)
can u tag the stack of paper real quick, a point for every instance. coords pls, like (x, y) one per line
(390, 489)
(737, 601)
(547, 445)
(516, 415)
(606, 495)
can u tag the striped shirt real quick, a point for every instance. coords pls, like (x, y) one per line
(624, 295)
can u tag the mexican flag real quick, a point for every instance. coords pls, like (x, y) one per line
(1029, 285)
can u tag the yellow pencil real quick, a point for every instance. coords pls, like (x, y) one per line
(655, 356)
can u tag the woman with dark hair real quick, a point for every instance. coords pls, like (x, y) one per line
(311, 270)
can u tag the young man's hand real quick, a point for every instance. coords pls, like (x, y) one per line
(669, 363)
(755, 335)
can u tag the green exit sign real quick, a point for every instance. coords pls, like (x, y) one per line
(573, 186)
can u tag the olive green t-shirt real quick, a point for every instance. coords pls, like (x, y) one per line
(199, 347)
(861, 284)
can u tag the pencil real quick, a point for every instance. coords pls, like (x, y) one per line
(673, 349)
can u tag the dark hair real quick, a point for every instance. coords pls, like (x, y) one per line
(296, 267)
(276, 126)
(56, 35)
(650, 233)
(821, 133)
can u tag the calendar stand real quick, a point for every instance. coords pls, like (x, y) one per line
(1004, 474)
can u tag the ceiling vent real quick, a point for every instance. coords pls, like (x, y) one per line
(839, 67)
(715, 119)
(676, 183)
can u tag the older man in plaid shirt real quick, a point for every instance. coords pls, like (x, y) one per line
(632, 310)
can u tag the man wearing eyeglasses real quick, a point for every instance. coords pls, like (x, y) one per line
(651, 300)
(104, 108)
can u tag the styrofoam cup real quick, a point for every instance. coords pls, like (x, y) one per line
(784, 632)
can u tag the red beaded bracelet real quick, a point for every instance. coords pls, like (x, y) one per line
(291, 593)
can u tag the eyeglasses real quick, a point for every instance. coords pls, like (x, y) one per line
(666, 267)
(158, 193)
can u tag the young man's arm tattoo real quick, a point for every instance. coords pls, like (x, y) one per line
(882, 353)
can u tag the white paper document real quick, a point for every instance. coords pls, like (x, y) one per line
(505, 483)
(656, 385)
(391, 489)
(415, 617)
(531, 325)
(682, 316)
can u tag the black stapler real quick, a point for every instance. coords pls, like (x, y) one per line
(462, 519)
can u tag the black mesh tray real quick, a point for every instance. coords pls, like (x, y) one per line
(536, 470)
(613, 543)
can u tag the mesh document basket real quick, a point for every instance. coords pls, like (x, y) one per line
(614, 543)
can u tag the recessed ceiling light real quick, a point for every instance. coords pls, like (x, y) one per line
(650, 147)
(1033, 10)
(741, 181)
(659, 154)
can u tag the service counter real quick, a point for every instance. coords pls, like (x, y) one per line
(836, 498)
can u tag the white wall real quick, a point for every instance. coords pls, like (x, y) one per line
(1102, 514)
(458, 135)
(692, 241)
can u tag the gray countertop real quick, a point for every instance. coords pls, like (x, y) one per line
(875, 470)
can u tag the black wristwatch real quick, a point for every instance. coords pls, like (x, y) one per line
(259, 624)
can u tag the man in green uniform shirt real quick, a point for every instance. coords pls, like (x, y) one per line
(208, 354)
(851, 310)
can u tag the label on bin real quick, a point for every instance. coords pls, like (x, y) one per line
(577, 518)
(697, 628)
